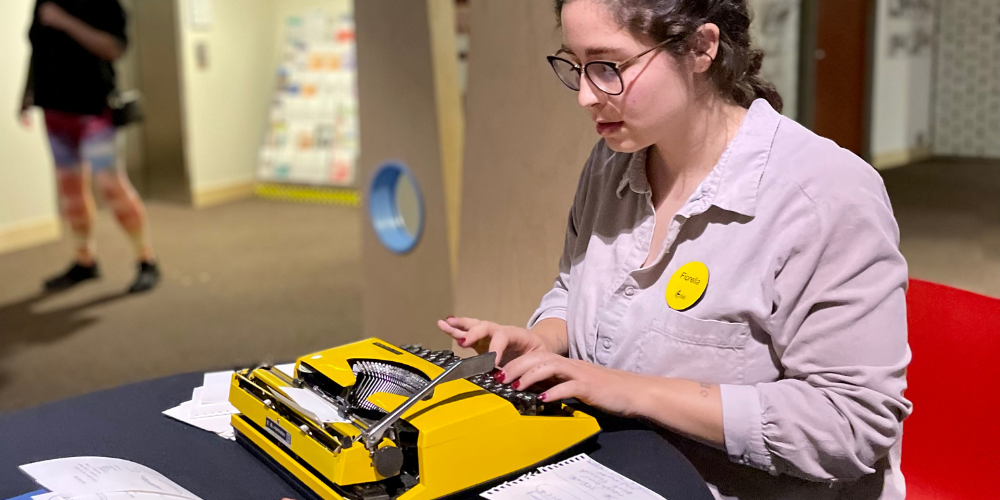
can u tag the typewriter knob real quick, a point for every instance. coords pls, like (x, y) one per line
(388, 461)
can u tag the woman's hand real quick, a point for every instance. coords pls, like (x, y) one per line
(610, 390)
(509, 342)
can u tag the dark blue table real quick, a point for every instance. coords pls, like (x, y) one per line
(127, 423)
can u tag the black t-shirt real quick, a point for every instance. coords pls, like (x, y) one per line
(67, 76)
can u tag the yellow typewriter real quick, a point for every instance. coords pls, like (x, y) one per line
(369, 421)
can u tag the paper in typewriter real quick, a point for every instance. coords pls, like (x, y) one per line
(577, 478)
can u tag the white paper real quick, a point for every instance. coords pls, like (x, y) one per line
(219, 424)
(577, 478)
(124, 495)
(201, 409)
(307, 399)
(287, 368)
(93, 476)
(216, 387)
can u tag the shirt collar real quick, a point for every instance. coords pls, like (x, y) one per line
(732, 184)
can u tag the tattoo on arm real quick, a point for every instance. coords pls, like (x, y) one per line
(704, 389)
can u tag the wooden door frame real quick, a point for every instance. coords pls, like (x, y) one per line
(808, 30)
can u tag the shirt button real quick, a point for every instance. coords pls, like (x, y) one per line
(607, 344)
(629, 291)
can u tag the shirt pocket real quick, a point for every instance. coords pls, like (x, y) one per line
(705, 350)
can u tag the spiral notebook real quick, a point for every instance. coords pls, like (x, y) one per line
(577, 478)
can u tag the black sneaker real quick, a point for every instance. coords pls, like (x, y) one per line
(75, 274)
(148, 277)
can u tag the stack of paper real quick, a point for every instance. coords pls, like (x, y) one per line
(98, 478)
(577, 478)
(209, 407)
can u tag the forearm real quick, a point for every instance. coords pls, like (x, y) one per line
(684, 406)
(554, 334)
(97, 42)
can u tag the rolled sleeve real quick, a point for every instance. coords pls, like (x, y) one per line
(741, 417)
(553, 305)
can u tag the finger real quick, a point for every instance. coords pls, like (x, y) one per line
(514, 369)
(557, 369)
(565, 390)
(463, 323)
(498, 344)
(481, 330)
(453, 332)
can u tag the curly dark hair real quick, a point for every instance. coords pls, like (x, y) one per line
(736, 68)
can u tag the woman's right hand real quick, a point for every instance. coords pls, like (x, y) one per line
(508, 342)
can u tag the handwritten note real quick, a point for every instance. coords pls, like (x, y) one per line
(577, 478)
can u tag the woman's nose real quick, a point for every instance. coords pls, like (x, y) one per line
(588, 96)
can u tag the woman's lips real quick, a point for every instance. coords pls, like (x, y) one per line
(609, 127)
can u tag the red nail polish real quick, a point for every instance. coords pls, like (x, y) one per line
(544, 397)
(516, 385)
(500, 376)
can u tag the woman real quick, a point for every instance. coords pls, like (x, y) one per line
(74, 43)
(727, 274)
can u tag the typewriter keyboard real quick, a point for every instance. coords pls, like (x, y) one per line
(526, 402)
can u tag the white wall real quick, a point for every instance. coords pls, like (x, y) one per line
(28, 212)
(903, 79)
(225, 104)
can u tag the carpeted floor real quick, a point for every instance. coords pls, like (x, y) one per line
(949, 221)
(284, 279)
(239, 280)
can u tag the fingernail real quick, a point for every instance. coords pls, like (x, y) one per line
(499, 377)
(461, 342)
(544, 397)
(516, 384)
(449, 317)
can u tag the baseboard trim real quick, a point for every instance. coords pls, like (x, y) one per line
(28, 234)
(893, 159)
(219, 195)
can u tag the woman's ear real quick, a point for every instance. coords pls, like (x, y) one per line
(705, 46)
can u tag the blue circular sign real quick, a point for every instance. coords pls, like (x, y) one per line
(393, 187)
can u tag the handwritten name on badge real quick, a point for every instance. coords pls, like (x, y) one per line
(687, 285)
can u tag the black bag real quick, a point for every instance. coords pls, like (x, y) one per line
(125, 107)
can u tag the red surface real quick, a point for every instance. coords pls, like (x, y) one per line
(951, 443)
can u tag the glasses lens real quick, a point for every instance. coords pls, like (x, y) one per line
(605, 77)
(566, 72)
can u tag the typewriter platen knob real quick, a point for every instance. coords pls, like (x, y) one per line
(388, 461)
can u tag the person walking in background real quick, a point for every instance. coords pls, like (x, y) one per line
(74, 43)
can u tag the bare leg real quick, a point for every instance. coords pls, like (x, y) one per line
(77, 204)
(129, 211)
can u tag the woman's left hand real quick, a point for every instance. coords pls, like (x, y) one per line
(604, 388)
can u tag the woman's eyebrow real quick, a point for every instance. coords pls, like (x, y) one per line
(602, 51)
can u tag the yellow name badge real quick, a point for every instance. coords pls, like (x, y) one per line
(687, 285)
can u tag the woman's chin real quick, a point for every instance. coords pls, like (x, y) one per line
(622, 144)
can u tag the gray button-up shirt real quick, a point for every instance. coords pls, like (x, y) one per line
(803, 322)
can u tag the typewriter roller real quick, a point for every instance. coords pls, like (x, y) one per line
(370, 421)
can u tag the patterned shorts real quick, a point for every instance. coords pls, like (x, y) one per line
(76, 138)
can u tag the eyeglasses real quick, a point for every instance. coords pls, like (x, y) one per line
(605, 75)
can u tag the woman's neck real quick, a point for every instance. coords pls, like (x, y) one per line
(678, 163)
